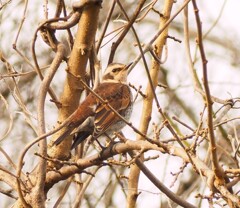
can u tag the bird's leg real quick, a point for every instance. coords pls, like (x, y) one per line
(101, 146)
(109, 139)
(87, 144)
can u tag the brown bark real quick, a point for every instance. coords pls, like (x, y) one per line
(148, 102)
(76, 66)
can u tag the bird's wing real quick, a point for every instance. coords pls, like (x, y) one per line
(85, 110)
(119, 97)
(65, 133)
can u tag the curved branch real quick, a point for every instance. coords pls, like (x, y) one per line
(37, 68)
(69, 22)
(45, 85)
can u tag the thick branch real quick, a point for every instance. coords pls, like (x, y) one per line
(148, 102)
(76, 65)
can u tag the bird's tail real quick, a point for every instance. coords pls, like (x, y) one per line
(72, 125)
(79, 138)
(63, 136)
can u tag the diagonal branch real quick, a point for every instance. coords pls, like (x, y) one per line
(127, 28)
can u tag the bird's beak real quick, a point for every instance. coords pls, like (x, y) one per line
(127, 66)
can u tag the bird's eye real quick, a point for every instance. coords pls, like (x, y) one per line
(115, 70)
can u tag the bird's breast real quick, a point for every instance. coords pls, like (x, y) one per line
(126, 114)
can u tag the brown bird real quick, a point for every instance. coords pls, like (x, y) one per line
(92, 117)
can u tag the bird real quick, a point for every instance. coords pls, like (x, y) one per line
(93, 117)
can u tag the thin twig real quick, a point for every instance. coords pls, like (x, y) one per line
(149, 8)
(80, 194)
(16, 93)
(181, 122)
(149, 44)
(8, 130)
(21, 24)
(184, 165)
(105, 26)
(152, 87)
(8, 193)
(193, 73)
(54, 160)
(63, 193)
(159, 184)
(216, 20)
(127, 28)
(8, 158)
(37, 68)
(138, 90)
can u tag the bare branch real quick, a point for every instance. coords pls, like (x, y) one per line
(217, 170)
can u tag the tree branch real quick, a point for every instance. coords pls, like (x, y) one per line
(217, 170)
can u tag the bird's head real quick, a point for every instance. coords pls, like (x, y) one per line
(116, 73)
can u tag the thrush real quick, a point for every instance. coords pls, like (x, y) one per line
(95, 118)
